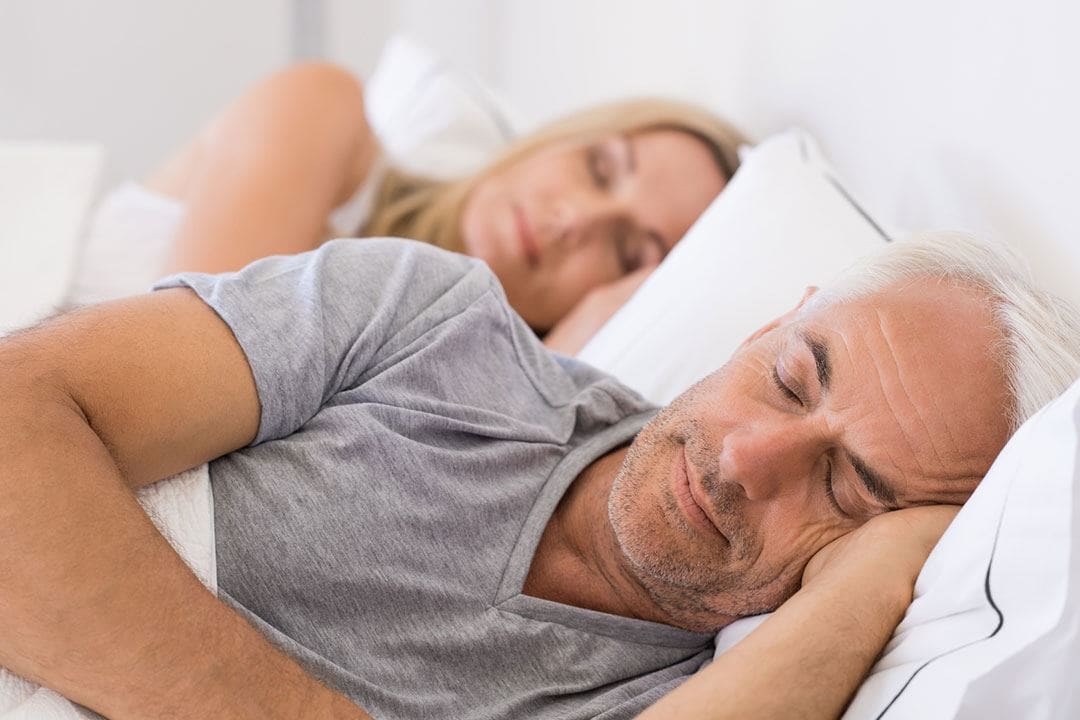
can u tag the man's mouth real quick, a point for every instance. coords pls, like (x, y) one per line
(529, 248)
(691, 497)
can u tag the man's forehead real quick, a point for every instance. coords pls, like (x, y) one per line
(914, 317)
(878, 484)
(912, 368)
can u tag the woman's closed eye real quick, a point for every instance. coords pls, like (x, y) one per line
(636, 249)
(601, 166)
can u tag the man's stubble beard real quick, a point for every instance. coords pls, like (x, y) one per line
(701, 593)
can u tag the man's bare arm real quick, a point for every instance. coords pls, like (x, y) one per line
(808, 658)
(93, 601)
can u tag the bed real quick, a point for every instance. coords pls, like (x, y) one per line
(888, 120)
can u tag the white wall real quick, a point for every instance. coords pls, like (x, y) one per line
(562, 54)
(141, 77)
(356, 29)
(465, 32)
(137, 76)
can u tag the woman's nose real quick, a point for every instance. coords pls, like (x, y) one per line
(767, 460)
(580, 218)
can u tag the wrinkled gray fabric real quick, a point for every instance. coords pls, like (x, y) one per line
(415, 438)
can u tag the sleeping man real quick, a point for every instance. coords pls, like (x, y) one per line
(422, 513)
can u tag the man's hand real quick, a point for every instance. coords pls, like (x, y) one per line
(808, 658)
(888, 550)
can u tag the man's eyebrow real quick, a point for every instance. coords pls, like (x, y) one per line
(875, 484)
(820, 351)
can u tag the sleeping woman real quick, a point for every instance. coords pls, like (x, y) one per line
(570, 219)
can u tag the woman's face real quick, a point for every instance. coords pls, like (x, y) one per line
(574, 216)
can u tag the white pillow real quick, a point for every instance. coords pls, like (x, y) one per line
(994, 630)
(430, 118)
(781, 224)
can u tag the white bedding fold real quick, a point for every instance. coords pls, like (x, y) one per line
(182, 508)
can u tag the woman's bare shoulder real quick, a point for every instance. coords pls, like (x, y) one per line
(315, 101)
(321, 79)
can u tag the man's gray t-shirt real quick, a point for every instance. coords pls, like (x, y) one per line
(415, 438)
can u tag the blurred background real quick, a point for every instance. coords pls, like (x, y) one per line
(937, 113)
(140, 77)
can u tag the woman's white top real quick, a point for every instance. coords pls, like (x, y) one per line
(130, 234)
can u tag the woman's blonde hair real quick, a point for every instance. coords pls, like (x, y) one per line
(423, 209)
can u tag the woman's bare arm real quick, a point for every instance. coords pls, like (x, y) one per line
(94, 602)
(262, 177)
(573, 332)
(806, 660)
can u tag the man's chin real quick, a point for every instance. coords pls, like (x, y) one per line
(692, 602)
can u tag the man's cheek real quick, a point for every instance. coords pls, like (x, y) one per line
(770, 584)
(814, 543)
(790, 555)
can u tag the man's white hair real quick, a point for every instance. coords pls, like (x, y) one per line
(1040, 347)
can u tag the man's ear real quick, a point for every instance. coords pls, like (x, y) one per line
(783, 319)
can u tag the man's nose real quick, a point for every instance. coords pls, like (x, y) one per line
(768, 460)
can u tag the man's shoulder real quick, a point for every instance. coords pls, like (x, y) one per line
(389, 253)
(405, 272)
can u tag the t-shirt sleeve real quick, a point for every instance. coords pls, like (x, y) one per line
(315, 323)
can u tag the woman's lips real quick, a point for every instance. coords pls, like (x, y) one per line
(529, 248)
(691, 497)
